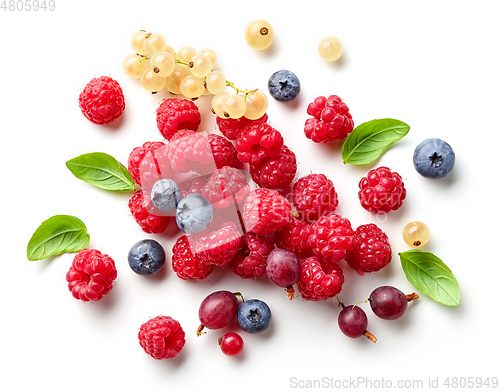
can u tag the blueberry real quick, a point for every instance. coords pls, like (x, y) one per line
(433, 158)
(165, 195)
(194, 213)
(284, 86)
(254, 316)
(146, 257)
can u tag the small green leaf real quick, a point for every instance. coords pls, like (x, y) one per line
(101, 170)
(58, 234)
(369, 140)
(428, 274)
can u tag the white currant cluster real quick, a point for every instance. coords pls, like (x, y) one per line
(191, 74)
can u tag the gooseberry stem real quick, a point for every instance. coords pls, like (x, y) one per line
(411, 297)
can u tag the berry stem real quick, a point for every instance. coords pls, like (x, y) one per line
(360, 302)
(238, 90)
(238, 294)
(340, 303)
(411, 297)
(199, 330)
(370, 336)
(291, 292)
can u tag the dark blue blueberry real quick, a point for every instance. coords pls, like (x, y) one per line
(433, 158)
(146, 257)
(284, 86)
(194, 213)
(254, 316)
(165, 195)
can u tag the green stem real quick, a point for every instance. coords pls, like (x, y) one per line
(238, 90)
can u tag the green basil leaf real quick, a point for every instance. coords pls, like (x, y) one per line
(369, 140)
(428, 274)
(101, 170)
(58, 234)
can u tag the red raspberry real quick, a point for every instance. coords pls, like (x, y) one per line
(316, 284)
(294, 236)
(226, 187)
(265, 211)
(217, 247)
(251, 261)
(91, 275)
(190, 151)
(162, 337)
(187, 265)
(331, 237)
(372, 251)
(381, 191)
(231, 127)
(314, 196)
(258, 142)
(331, 121)
(149, 223)
(137, 156)
(102, 100)
(223, 151)
(175, 114)
(276, 172)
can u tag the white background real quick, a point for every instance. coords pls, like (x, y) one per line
(434, 65)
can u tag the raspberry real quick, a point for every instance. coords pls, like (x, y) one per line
(372, 251)
(175, 114)
(265, 211)
(91, 275)
(149, 223)
(276, 172)
(316, 284)
(294, 236)
(381, 191)
(225, 187)
(192, 185)
(162, 337)
(217, 247)
(251, 261)
(331, 120)
(190, 151)
(257, 142)
(331, 237)
(137, 156)
(314, 196)
(102, 100)
(223, 151)
(231, 127)
(187, 265)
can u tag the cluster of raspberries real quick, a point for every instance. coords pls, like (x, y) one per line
(248, 223)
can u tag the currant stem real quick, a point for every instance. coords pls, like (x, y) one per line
(291, 292)
(370, 336)
(238, 90)
(411, 297)
(181, 62)
(199, 330)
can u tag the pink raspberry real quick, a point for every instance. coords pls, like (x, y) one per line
(372, 251)
(265, 211)
(331, 237)
(316, 284)
(187, 265)
(223, 151)
(294, 236)
(102, 100)
(231, 127)
(192, 185)
(190, 151)
(381, 191)
(162, 337)
(251, 261)
(226, 187)
(149, 223)
(175, 114)
(217, 247)
(91, 275)
(314, 196)
(257, 143)
(276, 172)
(331, 120)
(137, 156)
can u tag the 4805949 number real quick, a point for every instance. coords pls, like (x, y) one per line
(28, 5)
